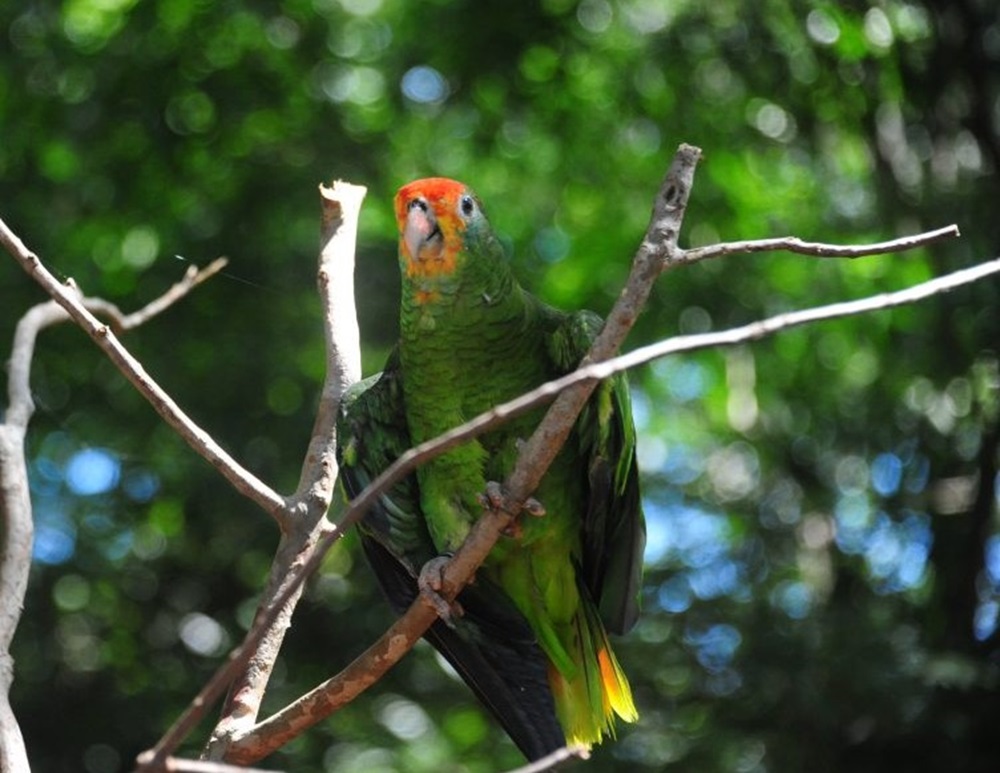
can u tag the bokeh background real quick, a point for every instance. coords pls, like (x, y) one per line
(823, 569)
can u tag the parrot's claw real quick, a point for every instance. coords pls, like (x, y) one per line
(533, 507)
(431, 583)
(495, 499)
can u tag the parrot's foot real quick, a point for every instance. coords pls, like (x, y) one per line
(431, 583)
(496, 499)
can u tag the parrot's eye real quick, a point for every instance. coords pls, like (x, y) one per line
(467, 205)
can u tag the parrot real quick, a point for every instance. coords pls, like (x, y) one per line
(530, 633)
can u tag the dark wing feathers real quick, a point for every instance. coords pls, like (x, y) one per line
(491, 646)
(614, 530)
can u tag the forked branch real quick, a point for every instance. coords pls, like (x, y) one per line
(16, 519)
(103, 335)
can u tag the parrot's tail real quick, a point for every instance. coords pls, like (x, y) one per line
(588, 698)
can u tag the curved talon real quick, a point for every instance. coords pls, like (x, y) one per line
(431, 583)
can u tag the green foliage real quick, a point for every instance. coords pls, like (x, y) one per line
(823, 577)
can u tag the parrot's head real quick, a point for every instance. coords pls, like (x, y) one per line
(441, 228)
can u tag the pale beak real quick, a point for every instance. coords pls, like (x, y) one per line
(421, 231)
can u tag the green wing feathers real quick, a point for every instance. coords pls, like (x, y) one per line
(613, 536)
(613, 527)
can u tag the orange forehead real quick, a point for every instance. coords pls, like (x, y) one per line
(440, 193)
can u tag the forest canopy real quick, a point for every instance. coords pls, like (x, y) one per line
(822, 587)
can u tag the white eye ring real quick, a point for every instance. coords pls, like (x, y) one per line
(467, 205)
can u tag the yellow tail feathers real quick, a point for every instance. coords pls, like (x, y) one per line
(588, 699)
(617, 692)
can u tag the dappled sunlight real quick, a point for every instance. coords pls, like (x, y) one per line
(822, 567)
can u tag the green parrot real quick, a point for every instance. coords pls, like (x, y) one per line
(531, 638)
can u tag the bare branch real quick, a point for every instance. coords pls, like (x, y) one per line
(341, 209)
(15, 501)
(658, 248)
(818, 249)
(15, 563)
(365, 670)
(554, 760)
(779, 322)
(241, 479)
(20, 404)
(192, 278)
(180, 765)
(250, 666)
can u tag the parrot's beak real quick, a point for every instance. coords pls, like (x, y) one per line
(421, 234)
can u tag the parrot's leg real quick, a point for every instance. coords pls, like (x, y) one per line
(495, 499)
(431, 584)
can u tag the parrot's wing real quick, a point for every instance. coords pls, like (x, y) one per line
(371, 434)
(491, 645)
(613, 527)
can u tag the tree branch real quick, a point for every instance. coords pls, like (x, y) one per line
(191, 279)
(15, 500)
(554, 759)
(250, 670)
(15, 513)
(67, 297)
(180, 765)
(341, 208)
(819, 249)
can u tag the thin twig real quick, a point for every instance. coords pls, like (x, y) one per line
(818, 249)
(242, 479)
(193, 277)
(553, 760)
(181, 765)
